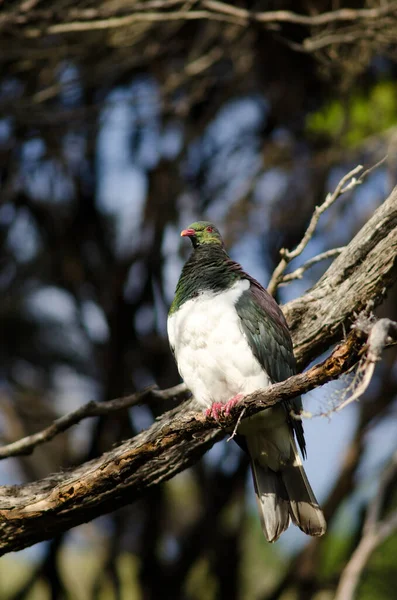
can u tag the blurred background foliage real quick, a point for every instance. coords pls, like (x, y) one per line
(116, 131)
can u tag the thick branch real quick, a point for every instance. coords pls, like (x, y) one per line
(40, 510)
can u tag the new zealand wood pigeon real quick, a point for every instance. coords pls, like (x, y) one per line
(230, 338)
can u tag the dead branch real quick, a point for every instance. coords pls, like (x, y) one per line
(379, 32)
(348, 182)
(286, 16)
(27, 444)
(375, 531)
(299, 272)
(176, 10)
(382, 333)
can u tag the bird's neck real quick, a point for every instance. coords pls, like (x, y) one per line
(209, 268)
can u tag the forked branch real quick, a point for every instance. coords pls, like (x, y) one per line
(346, 184)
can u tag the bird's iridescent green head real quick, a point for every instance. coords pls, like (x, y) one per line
(203, 232)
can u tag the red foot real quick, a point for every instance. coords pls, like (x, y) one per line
(215, 411)
(231, 403)
(218, 409)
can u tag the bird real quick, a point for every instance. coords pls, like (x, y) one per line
(229, 338)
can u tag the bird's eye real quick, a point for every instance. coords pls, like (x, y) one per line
(210, 229)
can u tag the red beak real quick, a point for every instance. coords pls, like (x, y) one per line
(188, 233)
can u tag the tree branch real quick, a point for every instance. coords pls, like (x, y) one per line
(27, 444)
(287, 16)
(381, 334)
(347, 183)
(298, 273)
(37, 511)
(159, 11)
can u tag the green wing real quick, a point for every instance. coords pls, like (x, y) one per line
(267, 332)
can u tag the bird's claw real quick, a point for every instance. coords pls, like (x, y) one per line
(219, 410)
(215, 411)
(232, 403)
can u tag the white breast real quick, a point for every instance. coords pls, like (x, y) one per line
(211, 350)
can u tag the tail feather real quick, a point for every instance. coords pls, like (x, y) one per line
(304, 508)
(272, 500)
(286, 494)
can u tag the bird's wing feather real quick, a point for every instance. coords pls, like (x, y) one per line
(267, 333)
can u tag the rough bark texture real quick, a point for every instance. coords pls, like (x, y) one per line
(358, 278)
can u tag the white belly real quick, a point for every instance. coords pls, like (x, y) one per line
(211, 350)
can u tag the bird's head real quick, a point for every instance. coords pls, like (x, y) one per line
(203, 232)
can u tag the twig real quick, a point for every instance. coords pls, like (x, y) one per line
(381, 31)
(237, 424)
(298, 273)
(27, 444)
(128, 20)
(382, 333)
(346, 184)
(288, 255)
(287, 16)
(375, 531)
(373, 168)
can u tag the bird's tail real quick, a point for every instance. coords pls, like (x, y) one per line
(286, 494)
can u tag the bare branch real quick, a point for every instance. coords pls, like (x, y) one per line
(379, 31)
(130, 19)
(211, 10)
(286, 16)
(27, 444)
(298, 273)
(242, 413)
(154, 11)
(359, 277)
(382, 333)
(347, 183)
(375, 531)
